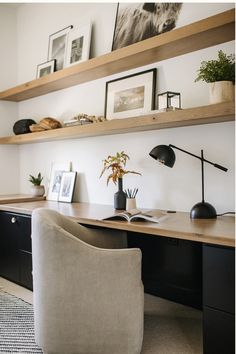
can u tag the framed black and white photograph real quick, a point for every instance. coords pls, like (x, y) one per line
(55, 179)
(45, 68)
(67, 187)
(78, 45)
(57, 47)
(138, 21)
(131, 95)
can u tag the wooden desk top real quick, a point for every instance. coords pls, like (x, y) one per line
(218, 231)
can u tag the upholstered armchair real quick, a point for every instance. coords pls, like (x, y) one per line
(88, 293)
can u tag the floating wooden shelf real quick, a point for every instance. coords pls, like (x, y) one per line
(198, 35)
(216, 113)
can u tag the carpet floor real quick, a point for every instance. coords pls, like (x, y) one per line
(169, 328)
(16, 326)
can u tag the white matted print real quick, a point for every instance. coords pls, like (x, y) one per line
(67, 187)
(55, 179)
(45, 68)
(78, 45)
(57, 47)
(131, 95)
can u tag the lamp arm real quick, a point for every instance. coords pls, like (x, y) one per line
(200, 158)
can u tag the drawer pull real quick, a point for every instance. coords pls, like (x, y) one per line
(13, 220)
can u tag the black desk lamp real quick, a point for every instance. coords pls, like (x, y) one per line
(165, 154)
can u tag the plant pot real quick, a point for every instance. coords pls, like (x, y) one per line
(120, 196)
(37, 191)
(221, 91)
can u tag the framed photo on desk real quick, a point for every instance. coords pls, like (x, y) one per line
(67, 187)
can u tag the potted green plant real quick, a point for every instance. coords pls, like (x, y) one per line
(36, 189)
(220, 74)
(116, 166)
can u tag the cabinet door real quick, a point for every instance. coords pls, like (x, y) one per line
(171, 268)
(218, 329)
(219, 277)
(9, 257)
(15, 248)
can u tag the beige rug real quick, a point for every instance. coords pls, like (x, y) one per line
(170, 328)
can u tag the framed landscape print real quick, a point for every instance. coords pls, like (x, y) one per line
(138, 21)
(67, 187)
(57, 47)
(131, 95)
(55, 179)
(45, 68)
(78, 45)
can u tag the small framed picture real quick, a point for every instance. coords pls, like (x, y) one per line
(67, 187)
(45, 68)
(55, 179)
(57, 47)
(131, 95)
(78, 45)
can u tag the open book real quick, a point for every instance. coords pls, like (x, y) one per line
(137, 215)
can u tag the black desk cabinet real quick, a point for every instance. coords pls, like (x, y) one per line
(15, 248)
(218, 299)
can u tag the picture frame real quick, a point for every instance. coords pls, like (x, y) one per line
(46, 68)
(57, 170)
(57, 47)
(131, 95)
(78, 45)
(139, 21)
(67, 187)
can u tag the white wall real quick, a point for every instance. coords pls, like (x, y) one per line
(9, 155)
(178, 188)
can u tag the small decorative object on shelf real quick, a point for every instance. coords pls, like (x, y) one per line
(36, 189)
(168, 101)
(45, 124)
(117, 165)
(220, 74)
(22, 126)
(83, 118)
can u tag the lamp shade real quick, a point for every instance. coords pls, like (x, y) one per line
(164, 154)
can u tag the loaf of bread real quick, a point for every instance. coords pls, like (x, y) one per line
(49, 123)
(36, 128)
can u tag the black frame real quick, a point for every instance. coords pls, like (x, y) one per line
(50, 39)
(154, 77)
(69, 200)
(53, 61)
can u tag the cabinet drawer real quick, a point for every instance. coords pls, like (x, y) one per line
(218, 332)
(219, 277)
(26, 278)
(18, 225)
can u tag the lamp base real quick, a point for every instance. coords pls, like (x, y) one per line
(203, 210)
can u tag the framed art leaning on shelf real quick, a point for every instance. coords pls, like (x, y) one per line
(78, 45)
(45, 68)
(131, 95)
(57, 47)
(139, 21)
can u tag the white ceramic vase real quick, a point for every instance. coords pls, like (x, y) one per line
(37, 191)
(221, 91)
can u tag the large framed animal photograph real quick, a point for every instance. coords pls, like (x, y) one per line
(131, 95)
(138, 21)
